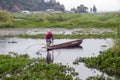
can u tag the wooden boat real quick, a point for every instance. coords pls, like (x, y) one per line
(71, 44)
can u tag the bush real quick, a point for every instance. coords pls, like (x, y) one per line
(5, 20)
(3, 17)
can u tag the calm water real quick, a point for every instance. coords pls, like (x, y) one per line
(91, 47)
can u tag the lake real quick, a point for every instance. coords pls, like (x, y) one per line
(90, 48)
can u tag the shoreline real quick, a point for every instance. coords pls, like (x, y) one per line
(65, 31)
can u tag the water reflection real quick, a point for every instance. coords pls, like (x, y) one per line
(50, 57)
(50, 53)
(3, 44)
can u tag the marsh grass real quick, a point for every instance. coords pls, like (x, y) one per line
(72, 36)
(60, 20)
(5, 20)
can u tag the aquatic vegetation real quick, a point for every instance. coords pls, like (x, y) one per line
(101, 77)
(73, 36)
(107, 61)
(13, 54)
(12, 41)
(21, 67)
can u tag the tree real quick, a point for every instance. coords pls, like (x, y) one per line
(31, 5)
(82, 9)
(91, 9)
(94, 9)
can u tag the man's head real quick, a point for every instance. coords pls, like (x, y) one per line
(49, 32)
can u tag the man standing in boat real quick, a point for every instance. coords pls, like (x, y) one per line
(49, 40)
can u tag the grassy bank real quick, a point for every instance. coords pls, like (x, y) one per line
(108, 61)
(20, 67)
(73, 36)
(59, 20)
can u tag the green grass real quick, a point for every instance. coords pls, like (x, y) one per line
(60, 20)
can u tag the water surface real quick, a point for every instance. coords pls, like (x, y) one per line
(91, 47)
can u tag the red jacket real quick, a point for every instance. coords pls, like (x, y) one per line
(49, 35)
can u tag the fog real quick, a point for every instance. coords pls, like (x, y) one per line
(101, 5)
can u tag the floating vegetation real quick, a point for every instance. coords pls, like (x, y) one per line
(101, 77)
(23, 68)
(13, 54)
(76, 61)
(73, 36)
(107, 61)
(12, 41)
(104, 46)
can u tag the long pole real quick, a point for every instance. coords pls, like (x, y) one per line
(52, 54)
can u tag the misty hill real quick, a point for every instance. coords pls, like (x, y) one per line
(31, 5)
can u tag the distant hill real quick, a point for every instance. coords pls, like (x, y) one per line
(31, 5)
